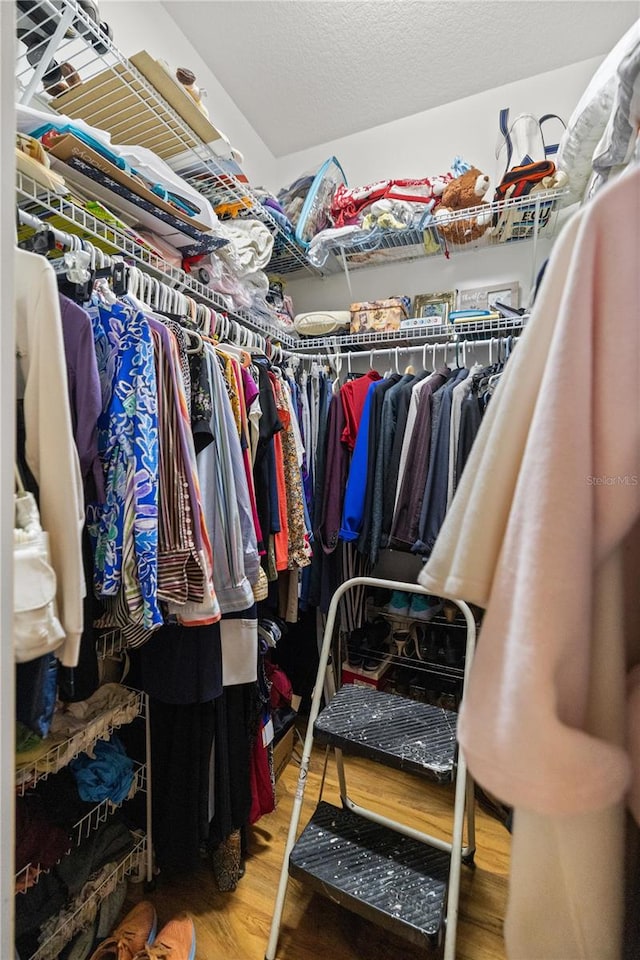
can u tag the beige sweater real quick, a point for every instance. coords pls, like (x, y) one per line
(50, 448)
(551, 489)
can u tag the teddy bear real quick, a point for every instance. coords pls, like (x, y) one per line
(467, 190)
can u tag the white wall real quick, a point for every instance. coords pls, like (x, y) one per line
(422, 145)
(141, 25)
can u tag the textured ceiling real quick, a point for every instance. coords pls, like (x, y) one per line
(304, 72)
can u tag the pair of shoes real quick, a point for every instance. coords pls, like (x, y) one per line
(135, 937)
(416, 606)
(424, 608)
(366, 646)
(398, 605)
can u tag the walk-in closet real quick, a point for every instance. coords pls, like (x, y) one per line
(320, 497)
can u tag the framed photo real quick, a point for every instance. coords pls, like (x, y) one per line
(484, 298)
(433, 308)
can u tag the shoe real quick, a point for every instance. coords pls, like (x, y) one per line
(355, 647)
(423, 607)
(176, 941)
(398, 605)
(131, 935)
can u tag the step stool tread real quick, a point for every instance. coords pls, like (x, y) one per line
(394, 730)
(379, 874)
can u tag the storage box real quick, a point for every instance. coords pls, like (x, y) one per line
(366, 678)
(379, 316)
(283, 751)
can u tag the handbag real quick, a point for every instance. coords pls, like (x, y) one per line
(523, 142)
(36, 628)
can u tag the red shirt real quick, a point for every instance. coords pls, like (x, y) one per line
(353, 395)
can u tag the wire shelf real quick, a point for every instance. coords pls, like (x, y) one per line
(113, 95)
(84, 827)
(416, 335)
(82, 911)
(508, 221)
(60, 754)
(43, 204)
(110, 644)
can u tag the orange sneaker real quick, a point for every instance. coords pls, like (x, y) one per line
(176, 941)
(131, 935)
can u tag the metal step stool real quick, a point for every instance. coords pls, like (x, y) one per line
(400, 878)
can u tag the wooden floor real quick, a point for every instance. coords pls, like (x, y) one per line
(235, 926)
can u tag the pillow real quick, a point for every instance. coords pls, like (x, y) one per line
(617, 144)
(589, 119)
(321, 323)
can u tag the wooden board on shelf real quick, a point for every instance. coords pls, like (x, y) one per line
(172, 91)
(116, 101)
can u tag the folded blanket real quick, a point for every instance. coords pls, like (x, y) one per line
(250, 246)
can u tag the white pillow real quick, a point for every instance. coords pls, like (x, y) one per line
(589, 119)
(321, 323)
(616, 146)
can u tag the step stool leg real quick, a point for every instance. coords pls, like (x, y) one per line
(321, 680)
(470, 849)
(453, 894)
(461, 795)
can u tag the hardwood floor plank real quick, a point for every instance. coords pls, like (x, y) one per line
(235, 926)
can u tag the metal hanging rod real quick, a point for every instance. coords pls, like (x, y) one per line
(425, 348)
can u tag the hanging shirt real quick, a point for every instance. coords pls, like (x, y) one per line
(406, 518)
(353, 394)
(85, 396)
(125, 528)
(401, 412)
(375, 418)
(219, 467)
(50, 450)
(356, 482)
(460, 392)
(434, 504)
(382, 477)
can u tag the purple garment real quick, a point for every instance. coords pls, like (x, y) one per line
(335, 479)
(404, 530)
(85, 395)
(249, 386)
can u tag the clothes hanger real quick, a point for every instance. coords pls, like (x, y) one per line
(196, 338)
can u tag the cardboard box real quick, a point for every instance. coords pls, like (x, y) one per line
(366, 678)
(68, 146)
(378, 316)
(283, 751)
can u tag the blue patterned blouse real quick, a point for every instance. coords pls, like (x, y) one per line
(125, 528)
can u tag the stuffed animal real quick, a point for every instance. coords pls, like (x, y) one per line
(467, 190)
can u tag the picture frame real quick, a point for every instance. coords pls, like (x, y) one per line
(483, 298)
(433, 308)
